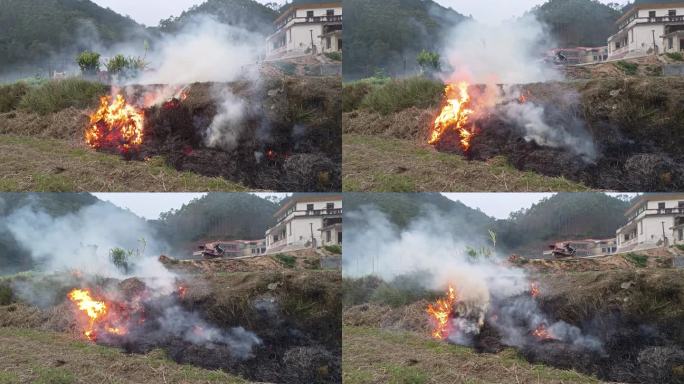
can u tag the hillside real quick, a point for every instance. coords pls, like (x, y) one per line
(245, 13)
(573, 23)
(562, 216)
(41, 35)
(217, 216)
(388, 35)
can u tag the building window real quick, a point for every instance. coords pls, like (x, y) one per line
(641, 227)
(661, 206)
(309, 207)
(651, 14)
(330, 12)
(330, 206)
(309, 14)
(328, 236)
(328, 42)
(672, 12)
(681, 234)
(680, 204)
(290, 225)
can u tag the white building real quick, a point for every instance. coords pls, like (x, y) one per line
(654, 220)
(301, 220)
(648, 27)
(307, 27)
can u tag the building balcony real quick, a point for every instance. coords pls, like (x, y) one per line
(336, 19)
(650, 21)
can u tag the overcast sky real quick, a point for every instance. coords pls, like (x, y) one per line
(150, 205)
(501, 205)
(149, 12)
(496, 11)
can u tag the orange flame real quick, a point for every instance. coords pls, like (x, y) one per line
(454, 115)
(534, 290)
(543, 334)
(116, 124)
(93, 308)
(440, 312)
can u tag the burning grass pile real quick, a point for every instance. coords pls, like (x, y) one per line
(263, 326)
(617, 134)
(629, 324)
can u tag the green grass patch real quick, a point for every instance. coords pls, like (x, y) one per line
(405, 375)
(289, 69)
(336, 249)
(56, 95)
(11, 95)
(54, 376)
(336, 56)
(5, 294)
(680, 247)
(676, 56)
(9, 378)
(53, 183)
(399, 94)
(630, 69)
(286, 260)
(639, 261)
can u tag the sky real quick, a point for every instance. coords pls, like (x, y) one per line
(150, 12)
(150, 205)
(501, 205)
(496, 11)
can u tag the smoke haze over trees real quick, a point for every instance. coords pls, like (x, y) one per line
(586, 23)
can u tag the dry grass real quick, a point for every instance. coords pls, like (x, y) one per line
(30, 356)
(384, 164)
(49, 165)
(372, 355)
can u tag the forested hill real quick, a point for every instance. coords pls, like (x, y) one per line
(248, 14)
(389, 34)
(585, 23)
(225, 216)
(564, 216)
(46, 32)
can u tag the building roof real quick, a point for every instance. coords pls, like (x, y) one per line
(653, 197)
(300, 198)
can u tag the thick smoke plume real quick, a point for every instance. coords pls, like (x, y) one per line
(509, 53)
(227, 126)
(440, 247)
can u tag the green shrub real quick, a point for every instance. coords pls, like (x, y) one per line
(428, 61)
(403, 290)
(5, 294)
(336, 249)
(397, 95)
(353, 94)
(286, 260)
(676, 56)
(89, 62)
(56, 95)
(127, 67)
(11, 94)
(359, 291)
(640, 261)
(630, 69)
(337, 56)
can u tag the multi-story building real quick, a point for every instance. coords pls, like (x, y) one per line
(307, 27)
(654, 220)
(648, 27)
(302, 221)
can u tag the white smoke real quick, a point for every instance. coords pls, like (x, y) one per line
(509, 53)
(205, 50)
(440, 246)
(225, 130)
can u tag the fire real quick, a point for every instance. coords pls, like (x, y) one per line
(440, 312)
(455, 115)
(115, 125)
(534, 290)
(95, 309)
(543, 334)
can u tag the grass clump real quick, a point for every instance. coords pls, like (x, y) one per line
(11, 95)
(54, 376)
(406, 375)
(676, 56)
(680, 247)
(286, 260)
(639, 261)
(630, 69)
(56, 95)
(336, 56)
(397, 95)
(9, 378)
(336, 249)
(5, 294)
(353, 94)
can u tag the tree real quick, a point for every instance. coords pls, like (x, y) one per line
(429, 62)
(89, 62)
